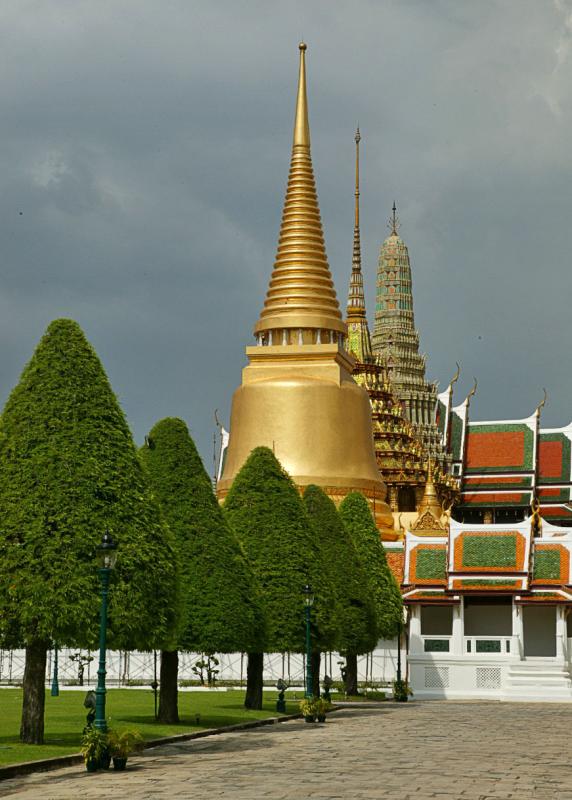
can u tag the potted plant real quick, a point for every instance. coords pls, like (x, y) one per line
(401, 691)
(122, 744)
(322, 706)
(93, 748)
(308, 709)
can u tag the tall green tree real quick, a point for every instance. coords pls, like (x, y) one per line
(70, 472)
(358, 520)
(219, 607)
(356, 625)
(266, 512)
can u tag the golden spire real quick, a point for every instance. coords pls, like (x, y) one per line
(428, 522)
(301, 293)
(356, 298)
(357, 141)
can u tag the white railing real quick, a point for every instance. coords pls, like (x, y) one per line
(490, 645)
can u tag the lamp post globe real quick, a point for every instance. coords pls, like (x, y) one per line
(308, 603)
(107, 554)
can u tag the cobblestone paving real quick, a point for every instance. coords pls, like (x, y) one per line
(452, 751)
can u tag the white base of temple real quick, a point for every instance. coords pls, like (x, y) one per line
(538, 680)
(490, 652)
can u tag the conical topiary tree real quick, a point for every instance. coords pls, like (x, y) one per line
(70, 472)
(353, 607)
(356, 515)
(218, 596)
(268, 516)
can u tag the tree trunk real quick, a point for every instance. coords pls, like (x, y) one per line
(351, 674)
(34, 694)
(316, 658)
(168, 696)
(254, 673)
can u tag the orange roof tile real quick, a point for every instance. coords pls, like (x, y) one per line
(396, 562)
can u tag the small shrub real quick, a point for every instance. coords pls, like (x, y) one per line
(122, 743)
(401, 691)
(93, 744)
(308, 707)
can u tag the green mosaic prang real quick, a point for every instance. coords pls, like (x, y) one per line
(515, 427)
(566, 457)
(431, 564)
(546, 565)
(436, 646)
(489, 551)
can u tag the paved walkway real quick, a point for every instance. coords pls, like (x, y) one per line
(453, 751)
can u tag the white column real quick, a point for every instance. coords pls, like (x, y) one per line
(458, 629)
(561, 641)
(518, 628)
(415, 640)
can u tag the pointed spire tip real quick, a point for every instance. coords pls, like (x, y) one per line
(301, 125)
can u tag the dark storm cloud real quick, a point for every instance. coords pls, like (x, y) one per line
(144, 152)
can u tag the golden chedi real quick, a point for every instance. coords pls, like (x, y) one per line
(298, 396)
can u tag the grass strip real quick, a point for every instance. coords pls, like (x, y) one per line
(126, 708)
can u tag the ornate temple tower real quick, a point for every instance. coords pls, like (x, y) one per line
(396, 342)
(297, 394)
(400, 456)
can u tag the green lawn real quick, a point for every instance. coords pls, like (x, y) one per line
(134, 708)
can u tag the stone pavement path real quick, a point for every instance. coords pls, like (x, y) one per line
(414, 751)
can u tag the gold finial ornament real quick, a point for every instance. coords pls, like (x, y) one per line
(297, 394)
(301, 293)
(428, 522)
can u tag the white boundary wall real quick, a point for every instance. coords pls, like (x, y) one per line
(125, 668)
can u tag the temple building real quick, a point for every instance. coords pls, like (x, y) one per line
(488, 609)
(298, 395)
(396, 341)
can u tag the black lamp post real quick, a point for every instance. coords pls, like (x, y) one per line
(308, 603)
(106, 555)
(55, 692)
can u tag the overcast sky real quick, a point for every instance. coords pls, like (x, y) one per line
(144, 152)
